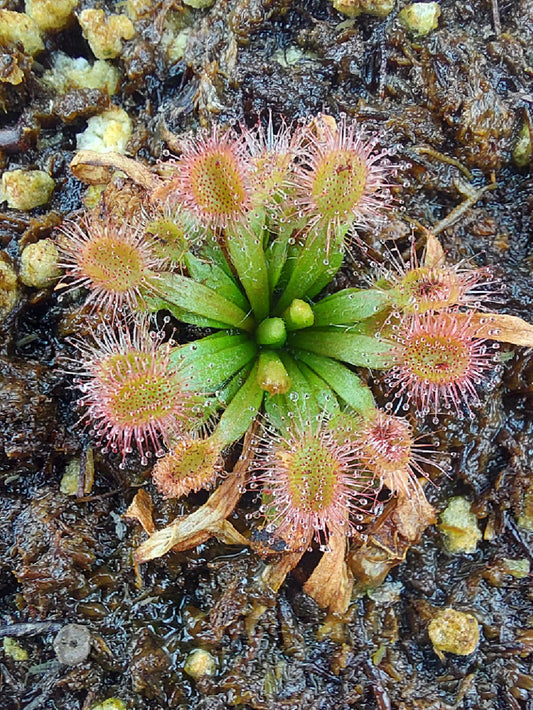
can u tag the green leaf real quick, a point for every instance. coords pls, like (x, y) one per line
(208, 373)
(336, 256)
(155, 304)
(323, 393)
(206, 347)
(276, 253)
(342, 380)
(361, 350)
(199, 300)
(215, 277)
(240, 412)
(315, 266)
(211, 251)
(350, 306)
(225, 393)
(245, 248)
(299, 404)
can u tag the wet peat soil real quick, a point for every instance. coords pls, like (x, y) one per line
(453, 104)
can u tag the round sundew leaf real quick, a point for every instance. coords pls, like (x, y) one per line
(310, 481)
(212, 179)
(115, 263)
(439, 362)
(132, 393)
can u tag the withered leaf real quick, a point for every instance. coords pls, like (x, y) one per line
(501, 327)
(97, 168)
(141, 509)
(331, 583)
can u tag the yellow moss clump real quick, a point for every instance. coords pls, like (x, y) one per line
(452, 631)
(105, 32)
(19, 27)
(459, 525)
(420, 18)
(14, 650)
(522, 149)
(138, 8)
(354, 8)
(51, 15)
(108, 132)
(110, 704)
(199, 663)
(199, 4)
(26, 189)
(8, 288)
(525, 509)
(68, 73)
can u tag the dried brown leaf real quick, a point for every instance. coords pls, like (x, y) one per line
(209, 520)
(399, 526)
(331, 583)
(194, 529)
(97, 168)
(501, 327)
(141, 509)
(434, 253)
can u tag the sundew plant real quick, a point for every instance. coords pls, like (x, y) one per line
(242, 235)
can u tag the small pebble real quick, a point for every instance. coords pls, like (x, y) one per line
(72, 644)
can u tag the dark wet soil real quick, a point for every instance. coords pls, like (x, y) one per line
(452, 103)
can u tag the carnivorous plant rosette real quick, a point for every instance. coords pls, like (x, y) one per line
(260, 223)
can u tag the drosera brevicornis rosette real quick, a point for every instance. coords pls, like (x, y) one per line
(256, 224)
